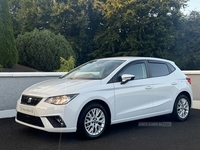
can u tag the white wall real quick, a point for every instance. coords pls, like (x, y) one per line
(13, 84)
(195, 76)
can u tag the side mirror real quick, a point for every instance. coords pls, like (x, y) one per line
(127, 77)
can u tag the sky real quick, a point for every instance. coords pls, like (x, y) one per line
(192, 5)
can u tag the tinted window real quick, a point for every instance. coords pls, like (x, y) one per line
(172, 68)
(139, 70)
(158, 69)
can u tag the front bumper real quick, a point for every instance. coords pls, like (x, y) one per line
(47, 117)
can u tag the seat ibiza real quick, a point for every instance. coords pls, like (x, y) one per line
(106, 91)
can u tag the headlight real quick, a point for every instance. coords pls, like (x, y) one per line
(60, 100)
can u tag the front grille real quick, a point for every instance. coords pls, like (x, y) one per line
(30, 100)
(29, 119)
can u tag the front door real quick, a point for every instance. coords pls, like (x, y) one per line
(134, 99)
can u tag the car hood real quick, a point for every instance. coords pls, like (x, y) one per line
(60, 87)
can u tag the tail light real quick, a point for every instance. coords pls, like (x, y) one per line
(189, 80)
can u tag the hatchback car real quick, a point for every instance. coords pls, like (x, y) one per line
(106, 91)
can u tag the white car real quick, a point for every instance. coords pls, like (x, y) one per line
(106, 91)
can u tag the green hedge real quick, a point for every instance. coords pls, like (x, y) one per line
(1, 67)
(42, 49)
(8, 51)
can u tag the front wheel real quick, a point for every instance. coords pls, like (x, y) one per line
(181, 110)
(93, 121)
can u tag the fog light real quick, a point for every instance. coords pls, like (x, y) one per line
(56, 121)
(60, 121)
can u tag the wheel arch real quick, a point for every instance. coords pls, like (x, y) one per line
(188, 96)
(101, 102)
(184, 111)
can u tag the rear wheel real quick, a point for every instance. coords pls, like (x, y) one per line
(181, 109)
(93, 121)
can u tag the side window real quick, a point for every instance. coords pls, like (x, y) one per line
(172, 68)
(158, 69)
(139, 70)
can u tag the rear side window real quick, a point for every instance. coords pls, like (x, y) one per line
(158, 69)
(171, 67)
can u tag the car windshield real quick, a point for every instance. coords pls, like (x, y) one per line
(94, 70)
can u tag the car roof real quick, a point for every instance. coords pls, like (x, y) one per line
(131, 58)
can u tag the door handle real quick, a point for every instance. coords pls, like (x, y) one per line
(174, 83)
(148, 87)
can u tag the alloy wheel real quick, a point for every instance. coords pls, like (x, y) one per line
(94, 121)
(183, 108)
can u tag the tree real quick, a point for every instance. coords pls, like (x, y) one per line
(187, 44)
(68, 17)
(8, 52)
(103, 28)
(1, 67)
(42, 49)
(66, 65)
(142, 28)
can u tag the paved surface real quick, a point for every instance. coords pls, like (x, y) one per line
(160, 134)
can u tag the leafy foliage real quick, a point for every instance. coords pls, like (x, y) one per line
(68, 17)
(1, 67)
(187, 44)
(42, 49)
(8, 52)
(103, 28)
(66, 65)
(142, 27)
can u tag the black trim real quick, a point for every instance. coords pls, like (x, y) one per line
(33, 120)
(56, 121)
(30, 100)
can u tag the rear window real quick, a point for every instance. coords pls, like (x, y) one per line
(158, 69)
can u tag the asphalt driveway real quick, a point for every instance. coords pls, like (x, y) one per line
(159, 133)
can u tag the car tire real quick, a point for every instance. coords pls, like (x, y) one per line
(92, 121)
(181, 110)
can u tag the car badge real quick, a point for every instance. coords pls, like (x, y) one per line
(29, 100)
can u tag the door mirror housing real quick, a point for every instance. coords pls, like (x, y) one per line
(127, 77)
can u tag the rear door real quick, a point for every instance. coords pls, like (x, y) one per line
(165, 86)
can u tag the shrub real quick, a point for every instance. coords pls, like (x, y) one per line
(66, 65)
(1, 67)
(8, 52)
(42, 49)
